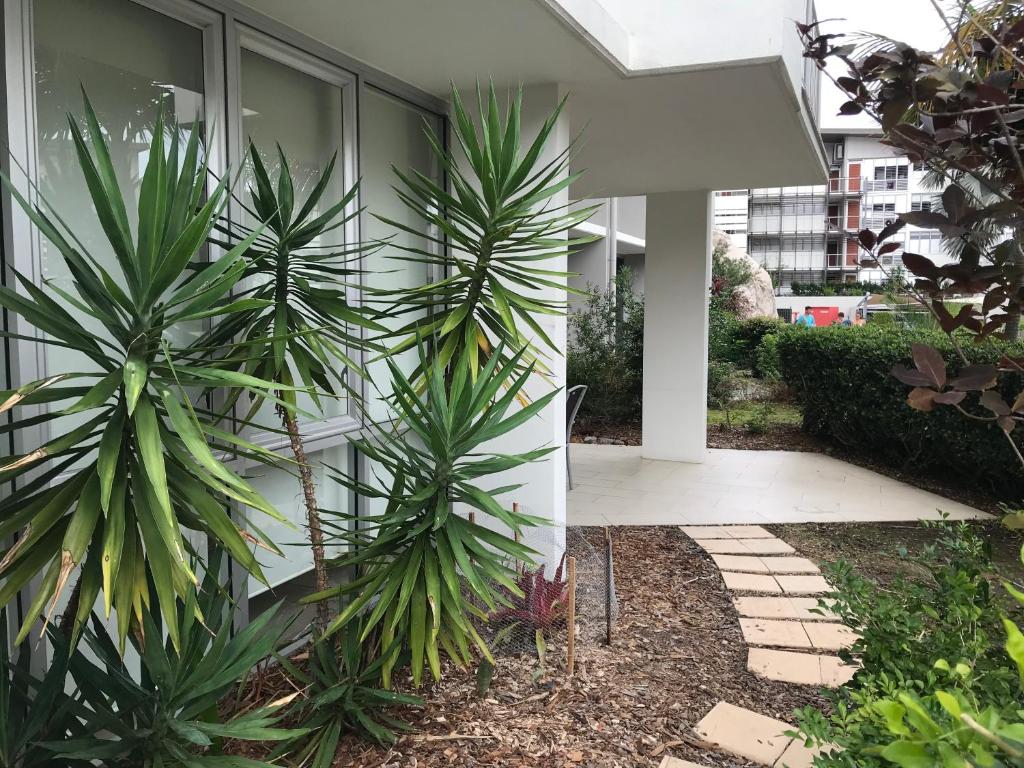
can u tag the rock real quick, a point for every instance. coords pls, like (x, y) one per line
(605, 441)
(618, 442)
(757, 297)
(590, 439)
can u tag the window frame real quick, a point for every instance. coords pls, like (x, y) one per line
(226, 27)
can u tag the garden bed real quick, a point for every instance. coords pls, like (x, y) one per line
(876, 549)
(677, 651)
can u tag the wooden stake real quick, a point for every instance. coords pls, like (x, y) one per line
(609, 586)
(515, 534)
(571, 616)
(472, 516)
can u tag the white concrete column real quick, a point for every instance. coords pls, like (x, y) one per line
(677, 276)
(544, 483)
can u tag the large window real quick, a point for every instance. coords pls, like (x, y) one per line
(134, 58)
(132, 62)
(273, 95)
(392, 134)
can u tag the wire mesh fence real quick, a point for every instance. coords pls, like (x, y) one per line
(572, 582)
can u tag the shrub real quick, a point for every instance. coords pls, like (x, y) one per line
(722, 325)
(836, 289)
(931, 649)
(746, 339)
(725, 387)
(606, 352)
(767, 364)
(841, 380)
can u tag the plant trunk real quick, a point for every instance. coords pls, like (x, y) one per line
(1012, 327)
(316, 533)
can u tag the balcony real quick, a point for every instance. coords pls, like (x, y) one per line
(885, 185)
(844, 186)
(878, 221)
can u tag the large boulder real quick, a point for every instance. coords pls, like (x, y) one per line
(757, 297)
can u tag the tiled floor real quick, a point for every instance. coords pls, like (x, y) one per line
(615, 486)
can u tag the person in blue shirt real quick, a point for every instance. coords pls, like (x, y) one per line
(806, 319)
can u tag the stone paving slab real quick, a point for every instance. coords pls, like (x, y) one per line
(744, 733)
(783, 634)
(797, 756)
(786, 666)
(799, 608)
(789, 565)
(803, 585)
(723, 546)
(750, 582)
(726, 532)
(675, 762)
(829, 637)
(744, 563)
(770, 546)
(835, 672)
(745, 546)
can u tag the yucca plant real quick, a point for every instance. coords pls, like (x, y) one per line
(419, 559)
(35, 710)
(130, 459)
(416, 558)
(168, 716)
(339, 680)
(303, 326)
(497, 228)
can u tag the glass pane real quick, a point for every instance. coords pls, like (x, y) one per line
(130, 60)
(281, 487)
(392, 134)
(302, 113)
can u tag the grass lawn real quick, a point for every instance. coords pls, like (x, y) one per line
(783, 414)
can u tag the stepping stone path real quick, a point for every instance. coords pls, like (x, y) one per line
(788, 634)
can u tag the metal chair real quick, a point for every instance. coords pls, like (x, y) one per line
(573, 401)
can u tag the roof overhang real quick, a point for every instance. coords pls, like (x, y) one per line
(661, 111)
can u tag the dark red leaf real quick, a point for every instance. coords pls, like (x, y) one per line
(993, 401)
(929, 362)
(949, 398)
(911, 376)
(921, 399)
(975, 378)
(867, 239)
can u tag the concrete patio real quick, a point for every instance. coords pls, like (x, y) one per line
(614, 485)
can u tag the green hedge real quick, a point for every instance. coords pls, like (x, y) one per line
(841, 380)
(747, 337)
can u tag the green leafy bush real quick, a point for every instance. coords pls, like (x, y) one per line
(932, 649)
(841, 379)
(746, 339)
(722, 325)
(836, 289)
(725, 387)
(606, 353)
(766, 356)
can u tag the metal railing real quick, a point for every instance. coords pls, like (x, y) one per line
(846, 185)
(885, 185)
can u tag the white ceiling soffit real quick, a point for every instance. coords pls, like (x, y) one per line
(670, 94)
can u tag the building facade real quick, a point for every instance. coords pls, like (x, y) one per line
(359, 80)
(809, 233)
(800, 234)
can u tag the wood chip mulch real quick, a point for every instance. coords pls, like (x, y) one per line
(677, 650)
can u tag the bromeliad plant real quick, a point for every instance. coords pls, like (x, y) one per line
(299, 326)
(128, 464)
(417, 557)
(538, 605)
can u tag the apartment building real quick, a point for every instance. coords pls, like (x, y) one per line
(809, 233)
(799, 233)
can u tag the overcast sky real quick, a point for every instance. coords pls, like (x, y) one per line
(912, 21)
